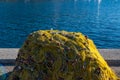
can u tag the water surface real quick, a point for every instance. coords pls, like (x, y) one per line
(99, 19)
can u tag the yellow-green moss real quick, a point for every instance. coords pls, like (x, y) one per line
(60, 55)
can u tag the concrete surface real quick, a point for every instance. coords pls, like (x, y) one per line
(108, 54)
(8, 56)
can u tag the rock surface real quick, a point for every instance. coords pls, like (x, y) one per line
(60, 55)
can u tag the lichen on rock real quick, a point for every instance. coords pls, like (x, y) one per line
(60, 55)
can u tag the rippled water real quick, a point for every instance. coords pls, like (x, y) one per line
(99, 19)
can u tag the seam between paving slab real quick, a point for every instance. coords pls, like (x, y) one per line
(11, 62)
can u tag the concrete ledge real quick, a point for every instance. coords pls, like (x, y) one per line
(110, 54)
(8, 55)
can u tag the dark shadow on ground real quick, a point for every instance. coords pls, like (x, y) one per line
(6, 62)
(11, 62)
(115, 63)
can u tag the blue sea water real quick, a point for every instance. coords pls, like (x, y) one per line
(99, 19)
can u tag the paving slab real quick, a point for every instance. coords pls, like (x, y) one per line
(108, 54)
(8, 53)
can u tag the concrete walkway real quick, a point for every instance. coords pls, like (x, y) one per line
(11, 53)
(8, 56)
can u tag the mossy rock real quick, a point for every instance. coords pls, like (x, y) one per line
(60, 55)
